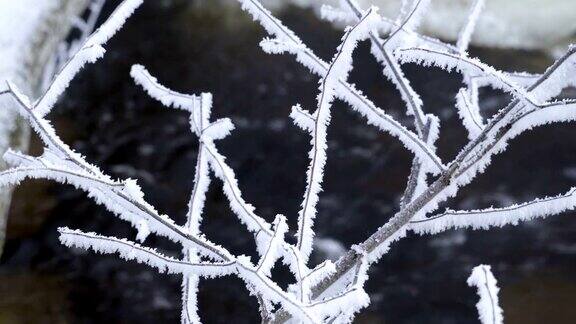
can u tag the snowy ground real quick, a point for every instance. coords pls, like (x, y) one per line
(509, 23)
(19, 21)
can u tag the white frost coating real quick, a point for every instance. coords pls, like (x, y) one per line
(465, 65)
(522, 79)
(62, 80)
(386, 25)
(555, 112)
(350, 282)
(413, 17)
(496, 217)
(386, 123)
(241, 208)
(489, 310)
(244, 210)
(114, 22)
(143, 231)
(333, 14)
(90, 52)
(248, 273)
(199, 118)
(348, 306)
(270, 243)
(384, 247)
(217, 162)
(133, 251)
(345, 305)
(269, 22)
(273, 250)
(466, 33)
(433, 135)
(558, 77)
(109, 193)
(322, 271)
(302, 119)
(398, 36)
(427, 126)
(338, 70)
(219, 129)
(159, 92)
(394, 73)
(47, 133)
(18, 95)
(126, 200)
(469, 113)
(383, 51)
(133, 190)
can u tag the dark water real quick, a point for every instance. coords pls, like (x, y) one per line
(195, 48)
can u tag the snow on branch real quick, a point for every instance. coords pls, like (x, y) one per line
(133, 251)
(167, 97)
(489, 310)
(496, 217)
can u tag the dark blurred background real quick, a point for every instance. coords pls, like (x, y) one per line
(196, 47)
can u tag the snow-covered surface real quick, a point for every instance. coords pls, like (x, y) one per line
(503, 23)
(19, 21)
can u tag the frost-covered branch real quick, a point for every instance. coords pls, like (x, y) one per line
(133, 251)
(496, 217)
(489, 310)
(337, 71)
